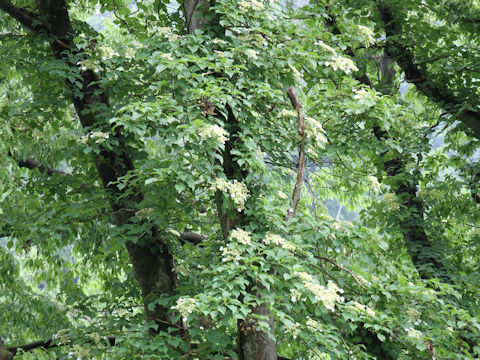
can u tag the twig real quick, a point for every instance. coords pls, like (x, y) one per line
(344, 269)
(292, 95)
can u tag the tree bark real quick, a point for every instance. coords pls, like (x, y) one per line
(152, 262)
(417, 75)
(252, 344)
(420, 248)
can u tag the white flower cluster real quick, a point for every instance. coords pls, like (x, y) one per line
(185, 306)
(279, 241)
(230, 254)
(295, 329)
(342, 63)
(164, 30)
(167, 56)
(251, 53)
(325, 46)
(62, 337)
(367, 35)
(316, 129)
(246, 5)
(286, 113)
(219, 53)
(413, 314)
(96, 337)
(144, 213)
(242, 236)
(295, 71)
(107, 52)
(213, 132)
(313, 325)
(361, 94)
(174, 37)
(327, 295)
(173, 231)
(219, 41)
(282, 195)
(360, 308)
(295, 295)
(413, 333)
(89, 64)
(130, 53)
(98, 135)
(238, 191)
(80, 352)
(391, 202)
(376, 186)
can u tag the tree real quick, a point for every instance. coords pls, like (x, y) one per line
(148, 158)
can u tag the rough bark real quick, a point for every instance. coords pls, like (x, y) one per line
(420, 248)
(252, 344)
(152, 263)
(418, 75)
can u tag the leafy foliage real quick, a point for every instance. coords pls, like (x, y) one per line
(404, 160)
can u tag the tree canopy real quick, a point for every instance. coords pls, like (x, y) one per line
(252, 180)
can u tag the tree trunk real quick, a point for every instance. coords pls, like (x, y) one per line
(252, 343)
(152, 262)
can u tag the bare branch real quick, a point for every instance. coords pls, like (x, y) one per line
(344, 269)
(292, 95)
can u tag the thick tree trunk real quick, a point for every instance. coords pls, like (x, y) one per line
(252, 343)
(152, 263)
(420, 248)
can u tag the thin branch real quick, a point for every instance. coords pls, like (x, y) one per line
(344, 269)
(292, 95)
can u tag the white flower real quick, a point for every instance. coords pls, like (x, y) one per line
(296, 73)
(107, 52)
(342, 63)
(413, 333)
(247, 5)
(185, 306)
(251, 53)
(361, 94)
(238, 191)
(316, 129)
(374, 183)
(413, 314)
(325, 46)
(295, 295)
(367, 35)
(230, 254)
(99, 136)
(327, 295)
(286, 113)
(130, 53)
(167, 56)
(213, 132)
(174, 37)
(391, 202)
(279, 241)
(313, 325)
(219, 41)
(242, 236)
(282, 195)
(174, 232)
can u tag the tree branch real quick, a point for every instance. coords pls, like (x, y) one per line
(23, 16)
(33, 164)
(292, 95)
(46, 344)
(415, 74)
